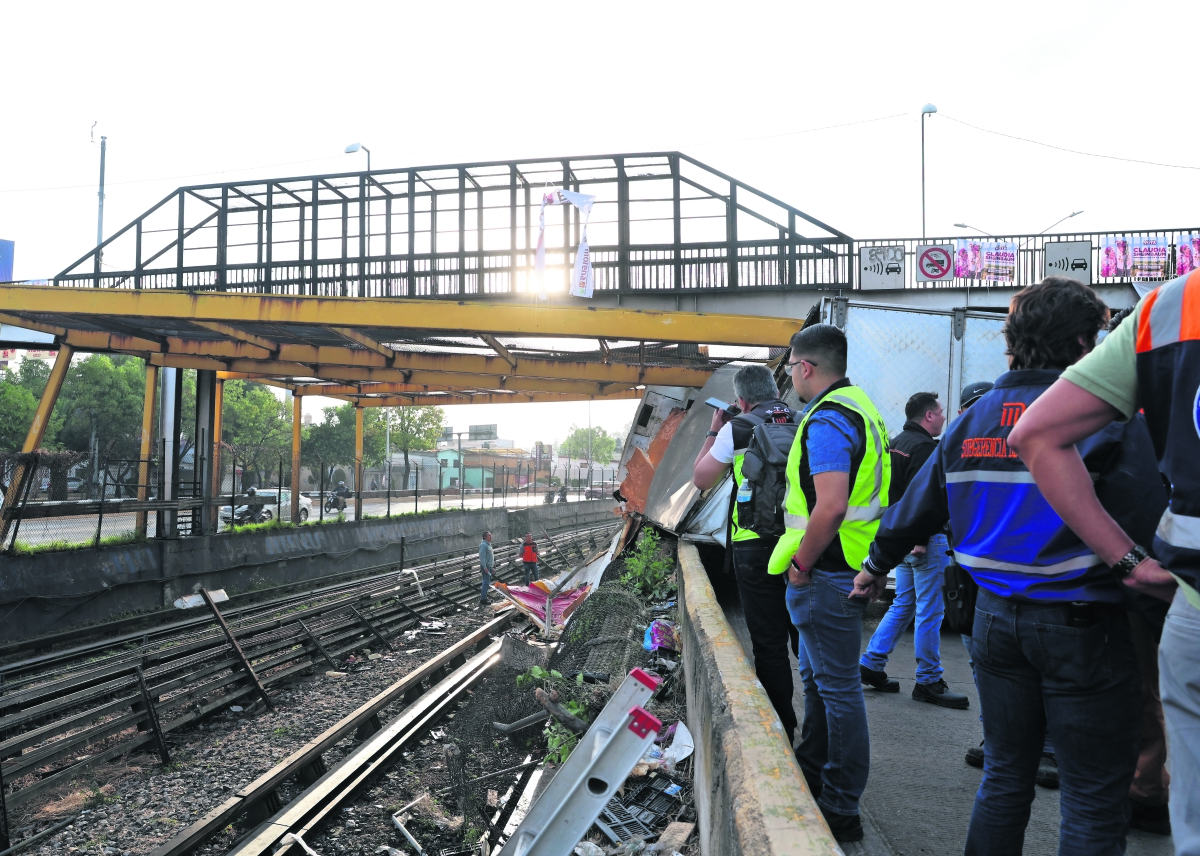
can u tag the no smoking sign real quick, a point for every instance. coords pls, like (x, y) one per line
(935, 263)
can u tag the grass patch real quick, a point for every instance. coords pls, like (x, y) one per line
(265, 526)
(20, 548)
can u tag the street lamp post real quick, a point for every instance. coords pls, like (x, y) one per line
(925, 111)
(354, 147)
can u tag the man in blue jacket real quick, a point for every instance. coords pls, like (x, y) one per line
(1050, 641)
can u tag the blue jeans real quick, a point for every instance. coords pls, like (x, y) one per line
(918, 591)
(835, 747)
(1047, 747)
(1179, 679)
(1035, 671)
(487, 583)
(531, 571)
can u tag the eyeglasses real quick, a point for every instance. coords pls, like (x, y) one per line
(802, 360)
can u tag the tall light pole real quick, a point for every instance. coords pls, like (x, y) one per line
(967, 226)
(100, 208)
(925, 111)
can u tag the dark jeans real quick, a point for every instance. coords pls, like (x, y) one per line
(531, 572)
(771, 629)
(835, 747)
(1036, 672)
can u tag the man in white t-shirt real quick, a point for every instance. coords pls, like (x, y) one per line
(762, 594)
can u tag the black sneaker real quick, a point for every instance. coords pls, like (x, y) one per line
(1047, 774)
(975, 755)
(845, 827)
(938, 693)
(1150, 818)
(878, 680)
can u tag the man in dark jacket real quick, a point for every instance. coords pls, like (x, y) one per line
(919, 576)
(1051, 640)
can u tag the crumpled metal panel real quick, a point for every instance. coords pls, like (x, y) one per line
(672, 493)
(983, 351)
(893, 354)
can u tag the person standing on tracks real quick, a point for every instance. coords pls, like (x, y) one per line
(529, 558)
(487, 567)
(1050, 639)
(762, 595)
(838, 475)
(919, 576)
(1151, 363)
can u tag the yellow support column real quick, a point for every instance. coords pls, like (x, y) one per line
(41, 418)
(296, 422)
(217, 476)
(146, 447)
(358, 461)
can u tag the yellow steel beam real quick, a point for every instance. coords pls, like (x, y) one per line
(451, 398)
(352, 335)
(494, 343)
(459, 317)
(99, 340)
(232, 332)
(218, 348)
(433, 381)
(33, 325)
(146, 440)
(182, 361)
(476, 366)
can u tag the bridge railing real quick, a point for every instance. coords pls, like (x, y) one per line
(660, 221)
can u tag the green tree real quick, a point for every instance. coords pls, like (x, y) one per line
(414, 429)
(33, 375)
(577, 444)
(257, 428)
(332, 441)
(101, 410)
(17, 406)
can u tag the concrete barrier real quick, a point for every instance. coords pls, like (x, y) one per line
(751, 798)
(50, 592)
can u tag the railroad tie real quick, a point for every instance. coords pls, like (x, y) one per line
(317, 644)
(237, 649)
(366, 622)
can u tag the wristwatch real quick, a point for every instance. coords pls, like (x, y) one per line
(1125, 565)
(713, 433)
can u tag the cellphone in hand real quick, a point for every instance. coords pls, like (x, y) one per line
(731, 409)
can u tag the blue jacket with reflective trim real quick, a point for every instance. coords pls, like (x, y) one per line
(1005, 533)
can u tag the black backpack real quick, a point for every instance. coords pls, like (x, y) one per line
(764, 476)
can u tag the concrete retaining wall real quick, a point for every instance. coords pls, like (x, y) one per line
(49, 592)
(751, 799)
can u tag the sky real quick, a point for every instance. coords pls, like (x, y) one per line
(817, 104)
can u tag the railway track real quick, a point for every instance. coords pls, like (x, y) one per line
(448, 676)
(60, 717)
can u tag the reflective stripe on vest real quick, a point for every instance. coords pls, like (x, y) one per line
(1170, 314)
(868, 494)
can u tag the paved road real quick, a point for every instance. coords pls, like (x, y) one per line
(920, 793)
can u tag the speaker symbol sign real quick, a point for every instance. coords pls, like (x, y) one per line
(935, 263)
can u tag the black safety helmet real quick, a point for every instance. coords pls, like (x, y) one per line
(972, 392)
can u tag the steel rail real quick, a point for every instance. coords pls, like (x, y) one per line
(304, 758)
(281, 649)
(363, 577)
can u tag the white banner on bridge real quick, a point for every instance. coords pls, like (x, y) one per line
(583, 279)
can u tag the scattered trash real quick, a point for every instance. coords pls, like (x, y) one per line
(681, 747)
(438, 734)
(236, 708)
(413, 651)
(375, 657)
(667, 733)
(293, 838)
(661, 634)
(335, 674)
(587, 848)
(674, 837)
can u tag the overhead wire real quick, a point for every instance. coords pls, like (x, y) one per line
(1065, 149)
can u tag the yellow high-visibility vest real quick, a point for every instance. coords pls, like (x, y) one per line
(868, 495)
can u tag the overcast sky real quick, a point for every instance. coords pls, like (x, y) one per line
(194, 93)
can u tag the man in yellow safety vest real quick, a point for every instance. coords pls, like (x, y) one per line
(838, 474)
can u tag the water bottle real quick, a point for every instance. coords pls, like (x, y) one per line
(745, 496)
